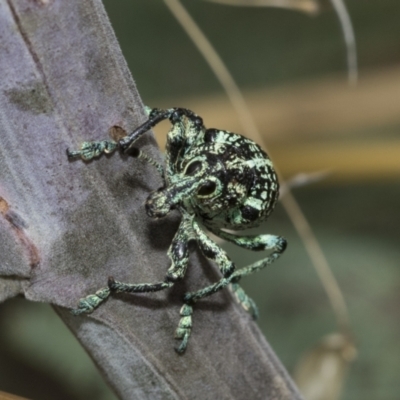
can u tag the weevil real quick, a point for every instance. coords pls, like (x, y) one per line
(218, 180)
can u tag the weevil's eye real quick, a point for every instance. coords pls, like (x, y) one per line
(207, 189)
(192, 168)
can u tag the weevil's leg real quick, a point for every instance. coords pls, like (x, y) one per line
(179, 255)
(266, 242)
(92, 301)
(89, 303)
(255, 243)
(91, 150)
(244, 300)
(213, 252)
(122, 287)
(234, 277)
(178, 251)
(278, 245)
(155, 117)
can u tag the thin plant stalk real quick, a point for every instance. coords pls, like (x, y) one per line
(310, 7)
(349, 38)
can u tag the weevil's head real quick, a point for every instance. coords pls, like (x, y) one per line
(227, 181)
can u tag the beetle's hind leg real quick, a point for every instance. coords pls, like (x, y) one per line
(230, 276)
(261, 242)
(255, 243)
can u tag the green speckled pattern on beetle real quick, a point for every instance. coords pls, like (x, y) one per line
(216, 179)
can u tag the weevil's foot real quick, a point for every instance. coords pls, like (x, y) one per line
(73, 154)
(90, 150)
(184, 328)
(111, 283)
(251, 308)
(147, 110)
(182, 347)
(245, 301)
(89, 303)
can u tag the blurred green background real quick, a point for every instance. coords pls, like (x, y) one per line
(355, 212)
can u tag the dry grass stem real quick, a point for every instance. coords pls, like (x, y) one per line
(311, 7)
(349, 38)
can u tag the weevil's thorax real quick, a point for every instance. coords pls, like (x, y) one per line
(236, 185)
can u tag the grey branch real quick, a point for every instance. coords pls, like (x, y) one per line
(66, 226)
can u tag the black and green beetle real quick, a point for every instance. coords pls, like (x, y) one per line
(216, 179)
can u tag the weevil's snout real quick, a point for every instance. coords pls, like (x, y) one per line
(158, 205)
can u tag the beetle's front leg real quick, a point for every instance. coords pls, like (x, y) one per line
(90, 150)
(92, 301)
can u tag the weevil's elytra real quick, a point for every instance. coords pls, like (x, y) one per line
(216, 179)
